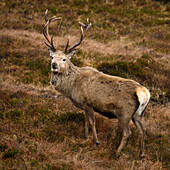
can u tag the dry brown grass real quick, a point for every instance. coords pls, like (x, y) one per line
(123, 46)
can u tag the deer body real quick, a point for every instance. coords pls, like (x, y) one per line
(86, 86)
(91, 90)
(107, 95)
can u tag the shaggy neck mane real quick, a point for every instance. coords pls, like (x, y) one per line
(64, 82)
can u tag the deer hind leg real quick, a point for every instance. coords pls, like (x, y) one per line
(86, 126)
(91, 117)
(137, 121)
(126, 133)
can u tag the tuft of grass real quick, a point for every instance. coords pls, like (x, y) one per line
(70, 117)
(14, 113)
(34, 162)
(3, 147)
(11, 153)
(157, 146)
(123, 69)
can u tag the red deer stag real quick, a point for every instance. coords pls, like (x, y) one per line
(91, 90)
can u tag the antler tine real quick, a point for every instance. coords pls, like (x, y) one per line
(46, 18)
(84, 28)
(46, 32)
(67, 45)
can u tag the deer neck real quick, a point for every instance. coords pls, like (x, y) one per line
(64, 82)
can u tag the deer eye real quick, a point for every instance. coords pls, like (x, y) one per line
(64, 59)
(52, 57)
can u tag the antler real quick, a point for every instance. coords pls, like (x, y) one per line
(49, 42)
(84, 28)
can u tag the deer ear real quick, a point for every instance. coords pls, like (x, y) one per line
(71, 54)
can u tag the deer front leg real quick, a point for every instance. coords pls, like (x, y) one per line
(91, 117)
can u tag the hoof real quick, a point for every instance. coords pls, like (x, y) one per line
(97, 143)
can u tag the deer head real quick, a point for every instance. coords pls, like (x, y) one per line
(61, 60)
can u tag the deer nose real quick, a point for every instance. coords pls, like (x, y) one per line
(54, 65)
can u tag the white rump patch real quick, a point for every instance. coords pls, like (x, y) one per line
(143, 97)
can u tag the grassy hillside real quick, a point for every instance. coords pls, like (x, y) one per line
(40, 128)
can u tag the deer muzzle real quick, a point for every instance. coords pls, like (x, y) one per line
(54, 66)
